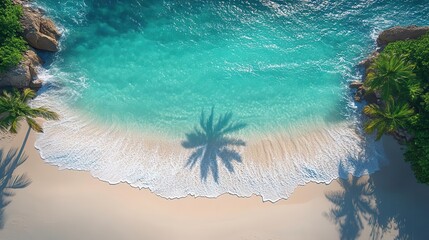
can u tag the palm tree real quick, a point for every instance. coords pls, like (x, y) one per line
(14, 108)
(9, 181)
(390, 75)
(388, 119)
(211, 142)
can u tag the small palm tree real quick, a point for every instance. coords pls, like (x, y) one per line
(211, 142)
(390, 75)
(14, 108)
(388, 119)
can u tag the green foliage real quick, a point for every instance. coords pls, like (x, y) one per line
(14, 108)
(418, 148)
(11, 43)
(390, 75)
(417, 52)
(388, 119)
(425, 102)
(407, 88)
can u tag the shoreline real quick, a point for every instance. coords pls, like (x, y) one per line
(57, 199)
(71, 204)
(145, 163)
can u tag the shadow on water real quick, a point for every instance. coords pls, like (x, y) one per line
(9, 181)
(211, 142)
(389, 201)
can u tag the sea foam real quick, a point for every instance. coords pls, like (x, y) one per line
(281, 67)
(274, 163)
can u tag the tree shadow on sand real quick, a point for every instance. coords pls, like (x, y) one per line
(353, 204)
(9, 181)
(389, 202)
(212, 142)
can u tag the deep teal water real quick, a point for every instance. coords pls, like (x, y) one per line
(277, 65)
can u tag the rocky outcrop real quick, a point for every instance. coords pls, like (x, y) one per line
(400, 33)
(369, 60)
(39, 31)
(41, 34)
(25, 74)
(387, 36)
(356, 84)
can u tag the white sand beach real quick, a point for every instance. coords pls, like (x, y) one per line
(64, 204)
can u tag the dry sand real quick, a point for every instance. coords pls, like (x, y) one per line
(74, 205)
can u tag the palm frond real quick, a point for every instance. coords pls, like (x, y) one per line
(389, 75)
(45, 113)
(34, 125)
(372, 110)
(387, 120)
(15, 125)
(27, 94)
(6, 94)
(14, 108)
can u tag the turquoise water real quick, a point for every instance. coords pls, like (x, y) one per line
(157, 64)
(160, 63)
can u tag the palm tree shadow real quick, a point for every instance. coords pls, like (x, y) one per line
(9, 181)
(390, 202)
(354, 203)
(212, 142)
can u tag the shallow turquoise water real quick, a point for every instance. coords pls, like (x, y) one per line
(159, 63)
(282, 67)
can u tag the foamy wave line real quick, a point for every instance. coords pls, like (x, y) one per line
(273, 165)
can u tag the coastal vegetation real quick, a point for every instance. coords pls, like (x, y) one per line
(14, 108)
(212, 141)
(12, 45)
(387, 119)
(400, 75)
